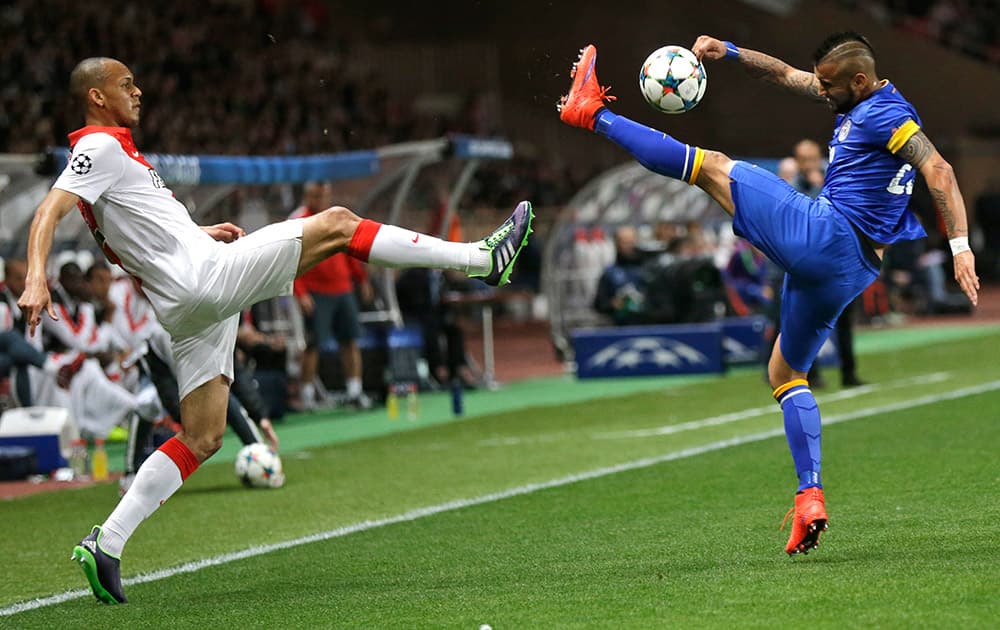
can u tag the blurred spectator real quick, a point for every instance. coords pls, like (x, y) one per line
(269, 333)
(326, 296)
(747, 280)
(619, 289)
(970, 27)
(811, 168)
(420, 293)
(788, 170)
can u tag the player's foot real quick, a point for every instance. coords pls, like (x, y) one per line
(361, 402)
(808, 521)
(586, 96)
(505, 243)
(102, 569)
(849, 381)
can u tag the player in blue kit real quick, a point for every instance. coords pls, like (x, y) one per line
(831, 247)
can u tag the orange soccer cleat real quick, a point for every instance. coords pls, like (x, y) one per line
(586, 96)
(808, 522)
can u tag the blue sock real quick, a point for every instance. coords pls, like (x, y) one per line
(653, 149)
(802, 429)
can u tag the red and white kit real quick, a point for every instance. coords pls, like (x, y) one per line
(196, 285)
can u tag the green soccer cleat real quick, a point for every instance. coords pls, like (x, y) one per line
(101, 568)
(505, 243)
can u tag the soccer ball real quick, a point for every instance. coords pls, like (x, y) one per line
(258, 466)
(672, 80)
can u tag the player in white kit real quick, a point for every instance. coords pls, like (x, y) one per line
(199, 278)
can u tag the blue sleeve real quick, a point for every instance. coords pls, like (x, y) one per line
(890, 126)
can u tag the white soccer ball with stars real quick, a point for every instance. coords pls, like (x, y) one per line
(672, 80)
(258, 466)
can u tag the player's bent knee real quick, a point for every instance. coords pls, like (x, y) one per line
(713, 178)
(203, 444)
(339, 223)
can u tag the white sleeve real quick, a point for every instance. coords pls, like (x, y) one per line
(97, 162)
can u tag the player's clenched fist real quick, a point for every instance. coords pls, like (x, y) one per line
(706, 47)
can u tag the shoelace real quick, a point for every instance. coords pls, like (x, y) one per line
(604, 96)
(789, 513)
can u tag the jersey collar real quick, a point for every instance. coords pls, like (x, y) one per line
(122, 134)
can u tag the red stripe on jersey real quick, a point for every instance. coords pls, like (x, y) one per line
(88, 216)
(133, 324)
(74, 326)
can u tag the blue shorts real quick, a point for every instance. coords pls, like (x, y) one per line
(335, 316)
(825, 262)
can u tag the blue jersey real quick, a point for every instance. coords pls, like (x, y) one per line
(866, 181)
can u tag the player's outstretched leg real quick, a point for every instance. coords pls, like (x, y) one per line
(584, 106)
(491, 259)
(803, 429)
(101, 568)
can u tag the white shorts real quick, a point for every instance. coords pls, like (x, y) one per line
(232, 278)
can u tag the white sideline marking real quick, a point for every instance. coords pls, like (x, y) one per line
(924, 379)
(413, 515)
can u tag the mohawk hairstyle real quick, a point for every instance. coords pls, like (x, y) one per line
(839, 39)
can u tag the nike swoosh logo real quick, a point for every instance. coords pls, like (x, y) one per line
(135, 154)
(416, 238)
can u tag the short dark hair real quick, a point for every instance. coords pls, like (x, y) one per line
(99, 265)
(838, 39)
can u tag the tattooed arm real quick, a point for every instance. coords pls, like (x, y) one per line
(921, 154)
(761, 66)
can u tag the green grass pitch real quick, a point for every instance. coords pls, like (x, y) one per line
(659, 508)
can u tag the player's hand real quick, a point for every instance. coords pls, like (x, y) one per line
(706, 47)
(306, 303)
(268, 430)
(33, 301)
(965, 274)
(225, 232)
(367, 293)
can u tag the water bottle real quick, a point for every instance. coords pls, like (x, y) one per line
(99, 463)
(392, 402)
(78, 458)
(456, 396)
(412, 403)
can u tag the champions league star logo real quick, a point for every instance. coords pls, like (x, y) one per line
(661, 352)
(81, 164)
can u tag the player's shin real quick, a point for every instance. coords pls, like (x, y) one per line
(157, 479)
(653, 149)
(392, 246)
(802, 429)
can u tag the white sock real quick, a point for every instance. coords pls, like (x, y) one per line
(308, 392)
(353, 387)
(395, 247)
(157, 479)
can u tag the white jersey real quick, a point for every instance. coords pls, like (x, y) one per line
(134, 217)
(196, 285)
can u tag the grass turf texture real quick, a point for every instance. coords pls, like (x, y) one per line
(694, 542)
